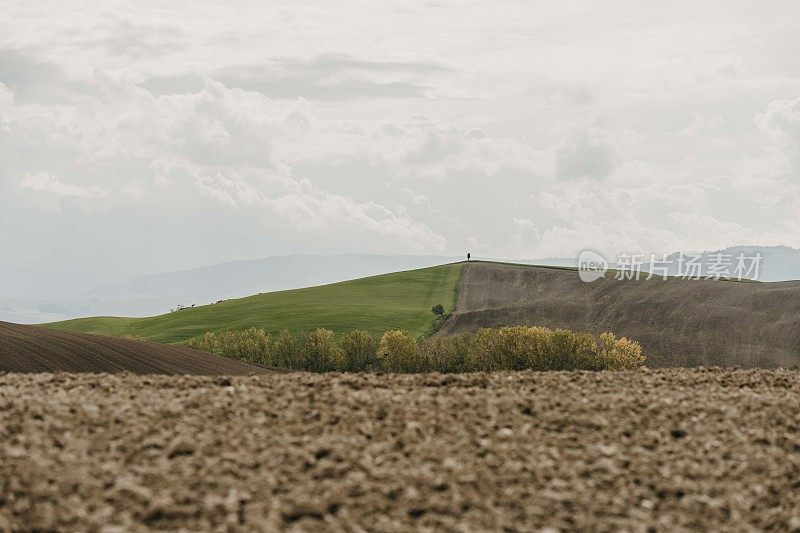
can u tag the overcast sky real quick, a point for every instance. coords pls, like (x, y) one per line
(146, 136)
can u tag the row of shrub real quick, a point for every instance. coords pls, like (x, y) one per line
(508, 348)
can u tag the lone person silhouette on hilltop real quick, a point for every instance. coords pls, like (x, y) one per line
(468, 256)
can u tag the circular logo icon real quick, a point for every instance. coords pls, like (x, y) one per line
(591, 266)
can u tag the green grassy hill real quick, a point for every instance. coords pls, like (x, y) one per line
(400, 300)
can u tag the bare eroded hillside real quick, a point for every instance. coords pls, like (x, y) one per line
(678, 322)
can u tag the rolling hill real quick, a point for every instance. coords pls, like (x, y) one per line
(679, 322)
(238, 279)
(31, 297)
(400, 300)
(31, 349)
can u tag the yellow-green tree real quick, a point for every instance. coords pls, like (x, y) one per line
(398, 352)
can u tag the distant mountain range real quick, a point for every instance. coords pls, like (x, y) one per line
(158, 293)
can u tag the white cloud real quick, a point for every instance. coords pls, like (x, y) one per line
(328, 76)
(134, 189)
(326, 210)
(415, 127)
(6, 97)
(308, 207)
(586, 154)
(699, 123)
(419, 148)
(44, 182)
(781, 121)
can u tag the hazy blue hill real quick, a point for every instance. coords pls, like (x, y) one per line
(244, 278)
(158, 293)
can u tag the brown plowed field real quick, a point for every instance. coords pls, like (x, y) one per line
(34, 349)
(678, 322)
(672, 449)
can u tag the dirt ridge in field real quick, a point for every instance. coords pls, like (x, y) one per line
(661, 450)
(679, 322)
(35, 349)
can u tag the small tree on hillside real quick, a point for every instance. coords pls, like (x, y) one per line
(437, 309)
